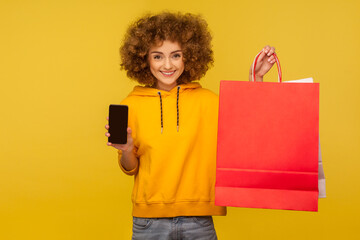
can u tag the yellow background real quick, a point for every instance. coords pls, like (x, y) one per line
(59, 71)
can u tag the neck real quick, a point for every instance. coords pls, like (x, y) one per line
(165, 87)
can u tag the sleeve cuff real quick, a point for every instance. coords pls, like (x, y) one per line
(128, 172)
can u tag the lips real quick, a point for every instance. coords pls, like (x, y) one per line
(168, 73)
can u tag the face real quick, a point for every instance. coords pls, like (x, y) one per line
(166, 64)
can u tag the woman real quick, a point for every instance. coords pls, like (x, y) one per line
(171, 142)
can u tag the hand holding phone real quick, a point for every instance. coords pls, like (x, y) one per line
(119, 135)
(128, 147)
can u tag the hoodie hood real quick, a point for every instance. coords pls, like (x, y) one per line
(153, 92)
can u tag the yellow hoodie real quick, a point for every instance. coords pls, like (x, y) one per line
(175, 141)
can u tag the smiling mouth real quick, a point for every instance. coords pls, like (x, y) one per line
(168, 74)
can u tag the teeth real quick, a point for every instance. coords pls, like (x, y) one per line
(168, 73)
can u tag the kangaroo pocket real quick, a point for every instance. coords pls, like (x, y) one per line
(171, 188)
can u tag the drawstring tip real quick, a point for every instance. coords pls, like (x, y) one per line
(161, 130)
(177, 128)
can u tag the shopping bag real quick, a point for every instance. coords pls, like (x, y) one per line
(267, 154)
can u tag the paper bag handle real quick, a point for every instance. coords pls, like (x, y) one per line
(277, 64)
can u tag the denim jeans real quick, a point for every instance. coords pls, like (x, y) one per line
(177, 228)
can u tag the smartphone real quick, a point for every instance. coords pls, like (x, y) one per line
(118, 122)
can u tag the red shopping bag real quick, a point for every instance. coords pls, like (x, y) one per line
(268, 137)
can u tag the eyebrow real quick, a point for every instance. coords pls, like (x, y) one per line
(163, 53)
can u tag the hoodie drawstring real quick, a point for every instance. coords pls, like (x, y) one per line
(177, 110)
(161, 112)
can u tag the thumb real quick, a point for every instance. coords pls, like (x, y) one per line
(129, 131)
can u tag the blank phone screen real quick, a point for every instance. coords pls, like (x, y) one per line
(118, 121)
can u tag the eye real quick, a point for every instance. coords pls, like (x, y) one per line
(156, 57)
(177, 55)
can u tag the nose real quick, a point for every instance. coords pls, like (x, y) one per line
(168, 63)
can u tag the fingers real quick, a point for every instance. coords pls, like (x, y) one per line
(107, 134)
(272, 51)
(271, 55)
(272, 59)
(269, 51)
(111, 144)
(107, 125)
(267, 54)
(129, 131)
(119, 146)
(262, 55)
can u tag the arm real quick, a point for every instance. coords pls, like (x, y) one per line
(265, 61)
(128, 159)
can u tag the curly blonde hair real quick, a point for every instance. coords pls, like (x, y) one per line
(189, 30)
